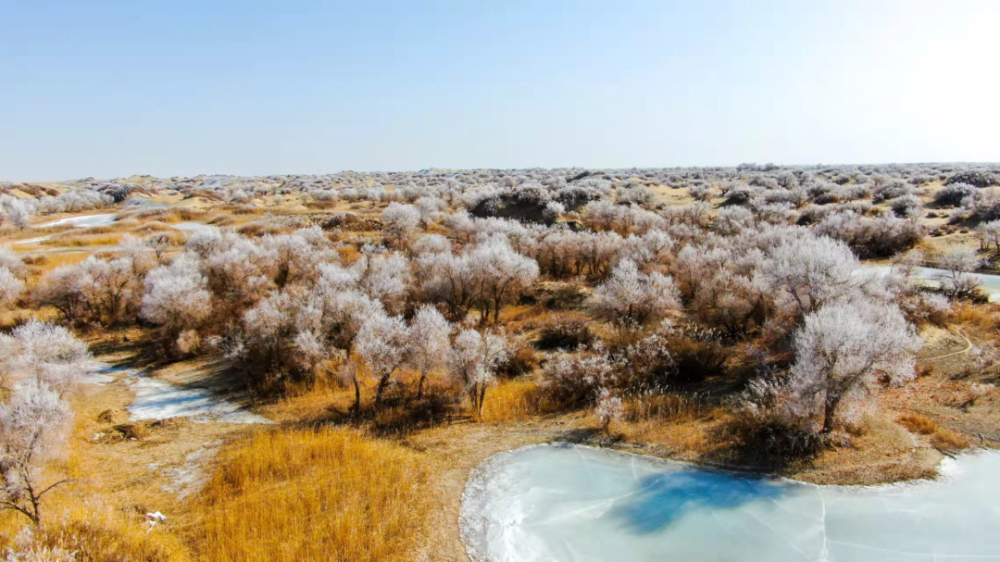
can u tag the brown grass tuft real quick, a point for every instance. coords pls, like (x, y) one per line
(941, 438)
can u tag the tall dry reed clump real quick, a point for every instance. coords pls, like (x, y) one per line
(324, 494)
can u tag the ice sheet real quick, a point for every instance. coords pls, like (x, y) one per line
(929, 276)
(574, 503)
(157, 400)
(86, 221)
(195, 227)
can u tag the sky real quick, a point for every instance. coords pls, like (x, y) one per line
(120, 87)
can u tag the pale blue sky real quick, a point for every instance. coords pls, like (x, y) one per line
(112, 88)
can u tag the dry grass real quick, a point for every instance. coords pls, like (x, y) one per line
(82, 240)
(326, 494)
(972, 314)
(512, 401)
(98, 533)
(941, 438)
(665, 408)
(45, 263)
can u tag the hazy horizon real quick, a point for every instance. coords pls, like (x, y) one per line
(113, 89)
(442, 168)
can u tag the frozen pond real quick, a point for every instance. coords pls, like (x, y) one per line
(86, 221)
(567, 502)
(195, 227)
(36, 240)
(157, 400)
(988, 284)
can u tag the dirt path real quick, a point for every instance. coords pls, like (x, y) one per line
(968, 348)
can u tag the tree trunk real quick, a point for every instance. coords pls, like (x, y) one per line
(382, 381)
(357, 395)
(830, 410)
(420, 385)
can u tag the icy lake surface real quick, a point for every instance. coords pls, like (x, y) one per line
(196, 227)
(86, 221)
(575, 503)
(988, 284)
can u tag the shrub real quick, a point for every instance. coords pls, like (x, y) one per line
(907, 206)
(565, 335)
(953, 194)
(698, 353)
(974, 178)
(891, 190)
(574, 380)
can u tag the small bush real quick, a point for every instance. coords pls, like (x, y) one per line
(565, 335)
(974, 178)
(520, 363)
(891, 190)
(953, 194)
(769, 441)
(698, 354)
(574, 380)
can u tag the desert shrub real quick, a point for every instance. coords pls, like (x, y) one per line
(564, 334)
(701, 192)
(574, 380)
(769, 440)
(983, 205)
(518, 363)
(907, 206)
(698, 353)
(764, 429)
(646, 364)
(953, 194)
(740, 195)
(564, 297)
(891, 190)
(975, 178)
(872, 237)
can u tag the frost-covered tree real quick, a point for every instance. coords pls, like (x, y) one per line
(841, 352)
(38, 363)
(429, 345)
(13, 262)
(381, 344)
(431, 244)
(385, 277)
(959, 263)
(95, 290)
(34, 423)
(632, 298)
(989, 235)
(499, 274)
(176, 296)
(11, 288)
(399, 222)
(43, 353)
(806, 271)
(474, 360)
